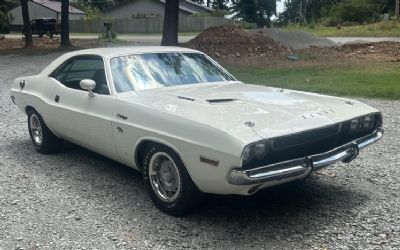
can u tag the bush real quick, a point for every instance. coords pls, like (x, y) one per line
(352, 12)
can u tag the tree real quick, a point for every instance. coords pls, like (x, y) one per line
(65, 42)
(333, 12)
(171, 18)
(220, 4)
(27, 23)
(5, 19)
(258, 11)
(396, 11)
(306, 11)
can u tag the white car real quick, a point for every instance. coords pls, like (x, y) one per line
(187, 124)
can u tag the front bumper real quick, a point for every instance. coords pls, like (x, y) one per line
(299, 168)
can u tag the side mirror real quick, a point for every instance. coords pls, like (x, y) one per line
(89, 85)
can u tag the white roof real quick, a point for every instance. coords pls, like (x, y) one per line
(126, 50)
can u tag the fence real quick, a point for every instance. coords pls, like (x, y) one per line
(151, 25)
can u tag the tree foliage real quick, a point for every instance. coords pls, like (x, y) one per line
(5, 6)
(216, 4)
(93, 4)
(254, 11)
(353, 11)
(335, 11)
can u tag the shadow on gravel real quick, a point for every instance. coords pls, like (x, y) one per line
(301, 206)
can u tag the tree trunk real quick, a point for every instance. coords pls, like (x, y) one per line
(27, 23)
(171, 18)
(65, 42)
(396, 11)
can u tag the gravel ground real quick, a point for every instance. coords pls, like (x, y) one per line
(295, 39)
(79, 200)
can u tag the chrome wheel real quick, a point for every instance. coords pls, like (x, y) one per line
(36, 129)
(164, 177)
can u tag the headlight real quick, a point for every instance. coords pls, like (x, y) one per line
(256, 150)
(247, 154)
(368, 122)
(354, 124)
(260, 150)
(362, 123)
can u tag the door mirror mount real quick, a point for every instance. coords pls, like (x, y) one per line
(88, 85)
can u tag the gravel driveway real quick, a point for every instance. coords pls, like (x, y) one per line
(77, 199)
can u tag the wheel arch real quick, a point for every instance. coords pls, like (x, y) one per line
(142, 145)
(30, 107)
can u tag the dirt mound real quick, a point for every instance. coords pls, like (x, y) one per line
(231, 41)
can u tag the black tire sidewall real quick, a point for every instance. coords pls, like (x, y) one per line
(30, 113)
(50, 143)
(189, 195)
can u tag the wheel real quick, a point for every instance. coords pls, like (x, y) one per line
(43, 139)
(168, 182)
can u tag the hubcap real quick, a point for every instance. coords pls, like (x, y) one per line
(36, 130)
(164, 177)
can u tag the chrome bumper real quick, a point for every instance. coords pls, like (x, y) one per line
(299, 168)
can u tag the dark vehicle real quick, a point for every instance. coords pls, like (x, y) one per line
(42, 26)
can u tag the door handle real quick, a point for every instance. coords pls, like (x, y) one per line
(57, 98)
(122, 117)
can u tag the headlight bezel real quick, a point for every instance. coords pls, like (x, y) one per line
(252, 154)
(357, 125)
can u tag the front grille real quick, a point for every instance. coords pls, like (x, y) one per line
(310, 142)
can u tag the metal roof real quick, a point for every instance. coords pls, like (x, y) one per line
(56, 6)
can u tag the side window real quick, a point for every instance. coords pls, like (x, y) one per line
(83, 67)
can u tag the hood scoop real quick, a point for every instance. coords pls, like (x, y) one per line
(221, 100)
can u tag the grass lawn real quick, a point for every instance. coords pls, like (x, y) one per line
(361, 80)
(377, 29)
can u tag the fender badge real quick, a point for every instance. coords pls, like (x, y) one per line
(249, 124)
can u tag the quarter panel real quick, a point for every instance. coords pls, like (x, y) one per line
(36, 93)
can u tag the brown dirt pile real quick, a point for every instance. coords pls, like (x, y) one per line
(231, 41)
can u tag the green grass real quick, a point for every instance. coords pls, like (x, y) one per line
(372, 81)
(381, 29)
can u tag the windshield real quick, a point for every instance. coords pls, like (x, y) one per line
(156, 70)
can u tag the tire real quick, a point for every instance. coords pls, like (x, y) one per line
(186, 197)
(43, 139)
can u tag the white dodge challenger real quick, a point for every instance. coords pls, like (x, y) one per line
(187, 124)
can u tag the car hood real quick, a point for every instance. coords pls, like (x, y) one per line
(246, 110)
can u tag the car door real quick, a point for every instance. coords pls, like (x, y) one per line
(81, 118)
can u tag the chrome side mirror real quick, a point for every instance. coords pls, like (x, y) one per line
(88, 85)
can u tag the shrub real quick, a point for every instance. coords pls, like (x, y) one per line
(353, 11)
